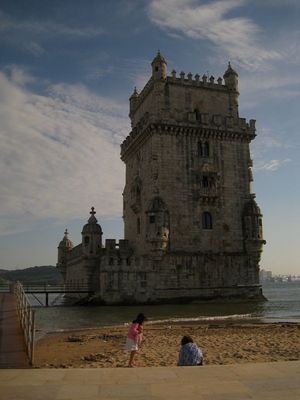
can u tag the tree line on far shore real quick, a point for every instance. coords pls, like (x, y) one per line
(46, 274)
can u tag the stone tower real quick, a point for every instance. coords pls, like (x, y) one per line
(188, 205)
(193, 229)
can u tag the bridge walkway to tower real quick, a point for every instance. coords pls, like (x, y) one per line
(12, 344)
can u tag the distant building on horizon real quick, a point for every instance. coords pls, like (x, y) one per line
(265, 275)
(193, 229)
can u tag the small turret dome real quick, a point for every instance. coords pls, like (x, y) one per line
(159, 67)
(231, 79)
(66, 243)
(92, 226)
(251, 208)
(158, 59)
(229, 71)
(135, 94)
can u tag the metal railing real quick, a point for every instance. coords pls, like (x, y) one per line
(4, 287)
(64, 288)
(27, 319)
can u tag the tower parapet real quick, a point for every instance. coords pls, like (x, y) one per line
(174, 99)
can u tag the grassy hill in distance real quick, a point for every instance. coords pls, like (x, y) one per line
(37, 275)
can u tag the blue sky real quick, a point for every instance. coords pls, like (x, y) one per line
(67, 69)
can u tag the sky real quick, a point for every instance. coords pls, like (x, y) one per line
(67, 69)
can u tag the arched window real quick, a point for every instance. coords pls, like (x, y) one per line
(138, 226)
(152, 219)
(206, 220)
(206, 150)
(203, 149)
(205, 181)
(200, 149)
(86, 240)
(138, 195)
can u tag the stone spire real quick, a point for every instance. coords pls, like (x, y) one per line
(133, 101)
(92, 219)
(134, 94)
(229, 71)
(66, 243)
(159, 67)
(231, 78)
(91, 235)
(64, 247)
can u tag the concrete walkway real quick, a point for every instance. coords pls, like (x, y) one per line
(12, 345)
(261, 381)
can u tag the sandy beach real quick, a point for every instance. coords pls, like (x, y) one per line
(227, 343)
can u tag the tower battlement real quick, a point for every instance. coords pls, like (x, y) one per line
(198, 124)
(185, 98)
(183, 79)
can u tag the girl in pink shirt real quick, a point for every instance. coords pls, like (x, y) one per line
(134, 337)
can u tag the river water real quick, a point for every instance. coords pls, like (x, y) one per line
(283, 305)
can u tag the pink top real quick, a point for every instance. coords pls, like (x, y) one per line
(135, 332)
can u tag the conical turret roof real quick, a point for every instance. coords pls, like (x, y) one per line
(229, 71)
(251, 207)
(66, 243)
(159, 58)
(92, 226)
(135, 93)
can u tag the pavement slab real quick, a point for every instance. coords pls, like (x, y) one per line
(259, 381)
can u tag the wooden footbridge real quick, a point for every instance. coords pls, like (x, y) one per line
(56, 291)
(17, 328)
(17, 320)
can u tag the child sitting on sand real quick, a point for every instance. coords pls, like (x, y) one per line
(190, 353)
(134, 337)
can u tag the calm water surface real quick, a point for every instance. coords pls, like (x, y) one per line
(283, 305)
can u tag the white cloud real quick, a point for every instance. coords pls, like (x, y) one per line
(267, 82)
(46, 27)
(271, 166)
(102, 65)
(34, 48)
(236, 38)
(267, 140)
(266, 146)
(59, 154)
(18, 76)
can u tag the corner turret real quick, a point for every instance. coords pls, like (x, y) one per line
(133, 100)
(232, 83)
(92, 236)
(252, 226)
(65, 245)
(159, 67)
(231, 78)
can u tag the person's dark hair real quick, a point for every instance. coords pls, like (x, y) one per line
(186, 339)
(140, 319)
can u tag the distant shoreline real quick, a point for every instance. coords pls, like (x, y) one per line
(226, 321)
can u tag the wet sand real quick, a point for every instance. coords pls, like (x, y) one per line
(227, 343)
